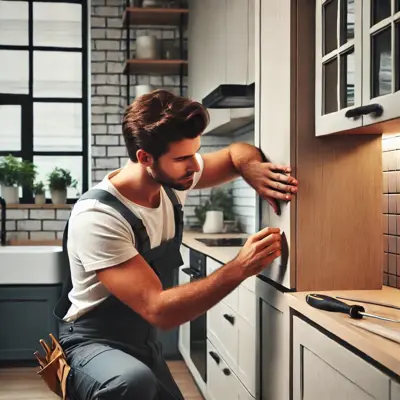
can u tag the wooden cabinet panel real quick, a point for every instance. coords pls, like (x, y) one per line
(322, 368)
(322, 224)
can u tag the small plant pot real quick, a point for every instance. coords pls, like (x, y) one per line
(59, 196)
(10, 194)
(40, 198)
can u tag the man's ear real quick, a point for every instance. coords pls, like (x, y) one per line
(146, 159)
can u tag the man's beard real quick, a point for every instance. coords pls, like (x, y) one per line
(163, 179)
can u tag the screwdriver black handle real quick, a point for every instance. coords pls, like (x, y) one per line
(327, 303)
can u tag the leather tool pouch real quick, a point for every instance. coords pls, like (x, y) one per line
(54, 368)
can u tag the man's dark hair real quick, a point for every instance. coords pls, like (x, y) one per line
(156, 119)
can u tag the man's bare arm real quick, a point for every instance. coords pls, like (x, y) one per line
(136, 284)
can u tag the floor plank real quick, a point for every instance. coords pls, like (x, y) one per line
(25, 384)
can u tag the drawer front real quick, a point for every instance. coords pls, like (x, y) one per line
(223, 331)
(222, 383)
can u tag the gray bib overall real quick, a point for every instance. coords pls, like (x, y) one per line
(113, 352)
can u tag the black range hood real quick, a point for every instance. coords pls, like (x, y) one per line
(230, 96)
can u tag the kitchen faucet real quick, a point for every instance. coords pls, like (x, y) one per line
(3, 221)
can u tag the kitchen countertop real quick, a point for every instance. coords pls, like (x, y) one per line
(384, 351)
(221, 254)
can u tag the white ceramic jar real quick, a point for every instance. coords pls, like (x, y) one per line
(147, 48)
(214, 222)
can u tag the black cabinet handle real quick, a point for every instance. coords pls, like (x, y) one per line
(215, 356)
(226, 371)
(376, 109)
(229, 318)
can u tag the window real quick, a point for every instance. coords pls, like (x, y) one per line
(43, 87)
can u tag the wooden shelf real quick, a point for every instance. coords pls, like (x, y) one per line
(153, 16)
(48, 206)
(149, 67)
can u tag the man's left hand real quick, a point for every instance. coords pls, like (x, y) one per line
(271, 181)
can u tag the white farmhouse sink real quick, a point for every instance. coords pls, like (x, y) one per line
(30, 265)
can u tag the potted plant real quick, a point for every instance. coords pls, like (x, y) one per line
(216, 211)
(13, 175)
(59, 181)
(39, 192)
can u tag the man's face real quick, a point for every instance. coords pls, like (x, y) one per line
(177, 167)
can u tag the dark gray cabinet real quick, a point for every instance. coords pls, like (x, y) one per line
(26, 315)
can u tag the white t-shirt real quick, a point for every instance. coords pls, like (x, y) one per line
(99, 237)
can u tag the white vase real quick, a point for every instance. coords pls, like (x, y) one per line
(59, 196)
(10, 194)
(147, 48)
(214, 222)
(40, 198)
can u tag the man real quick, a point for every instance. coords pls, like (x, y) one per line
(125, 233)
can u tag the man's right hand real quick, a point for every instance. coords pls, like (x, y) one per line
(259, 251)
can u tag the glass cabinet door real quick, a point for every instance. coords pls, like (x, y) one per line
(338, 64)
(381, 58)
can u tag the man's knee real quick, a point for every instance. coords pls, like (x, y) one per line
(136, 382)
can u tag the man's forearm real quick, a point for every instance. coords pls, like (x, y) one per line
(185, 302)
(242, 154)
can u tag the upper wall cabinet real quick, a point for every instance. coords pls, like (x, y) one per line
(221, 51)
(357, 66)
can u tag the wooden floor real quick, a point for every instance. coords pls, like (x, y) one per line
(25, 384)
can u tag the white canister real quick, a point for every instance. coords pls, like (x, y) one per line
(10, 194)
(147, 48)
(214, 222)
(143, 89)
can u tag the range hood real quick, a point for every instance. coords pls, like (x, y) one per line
(230, 96)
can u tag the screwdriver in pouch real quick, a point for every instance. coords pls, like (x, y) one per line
(327, 303)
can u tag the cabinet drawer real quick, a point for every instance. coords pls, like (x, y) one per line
(223, 331)
(222, 383)
(235, 341)
(322, 368)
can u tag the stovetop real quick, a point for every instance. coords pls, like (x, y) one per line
(223, 242)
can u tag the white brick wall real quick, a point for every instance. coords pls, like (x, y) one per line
(36, 224)
(109, 84)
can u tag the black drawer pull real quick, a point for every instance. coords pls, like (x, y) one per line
(226, 371)
(229, 318)
(215, 356)
(376, 109)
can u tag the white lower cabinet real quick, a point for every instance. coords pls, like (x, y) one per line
(231, 331)
(222, 383)
(324, 369)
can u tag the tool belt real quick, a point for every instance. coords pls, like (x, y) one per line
(54, 368)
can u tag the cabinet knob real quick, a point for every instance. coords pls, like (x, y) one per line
(376, 109)
(226, 371)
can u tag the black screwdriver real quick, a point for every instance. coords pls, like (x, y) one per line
(327, 303)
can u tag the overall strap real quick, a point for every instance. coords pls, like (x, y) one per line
(178, 213)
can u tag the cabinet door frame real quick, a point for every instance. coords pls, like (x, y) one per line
(337, 121)
(390, 102)
(347, 363)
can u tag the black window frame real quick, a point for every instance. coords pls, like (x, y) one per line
(27, 101)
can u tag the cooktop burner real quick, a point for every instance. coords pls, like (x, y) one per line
(223, 242)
